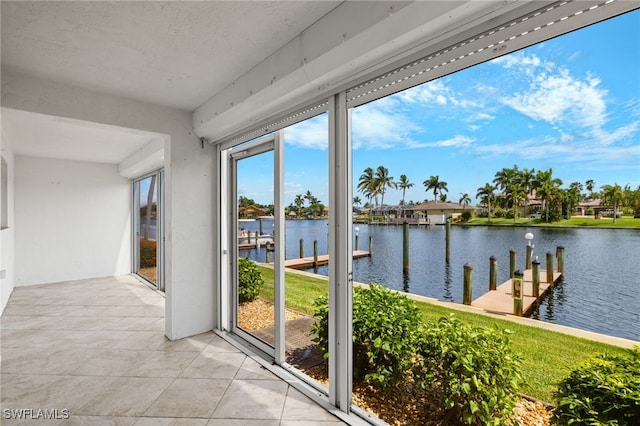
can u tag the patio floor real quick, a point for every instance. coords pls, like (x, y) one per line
(94, 351)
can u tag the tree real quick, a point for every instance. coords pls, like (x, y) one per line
(356, 201)
(299, 202)
(527, 181)
(464, 200)
(383, 181)
(589, 184)
(147, 218)
(572, 197)
(436, 185)
(366, 183)
(548, 190)
(612, 195)
(486, 194)
(509, 181)
(404, 184)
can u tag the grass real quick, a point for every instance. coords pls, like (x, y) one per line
(576, 221)
(547, 356)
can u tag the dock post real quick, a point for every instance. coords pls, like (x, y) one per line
(536, 278)
(468, 284)
(513, 256)
(357, 237)
(255, 234)
(529, 256)
(405, 248)
(301, 248)
(560, 256)
(268, 254)
(315, 254)
(447, 254)
(517, 292)
(550, 268)
(493, 273)
(260, 223)
(370, 245)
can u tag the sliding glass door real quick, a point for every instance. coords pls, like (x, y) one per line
(148, 228)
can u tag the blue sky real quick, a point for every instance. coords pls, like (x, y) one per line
(571, 104)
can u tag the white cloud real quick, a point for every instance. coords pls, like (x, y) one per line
(381, 125)
(311, 133)
(458, 141)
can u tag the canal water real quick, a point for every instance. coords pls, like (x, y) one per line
(601, 289)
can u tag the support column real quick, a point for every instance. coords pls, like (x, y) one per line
(340, 255)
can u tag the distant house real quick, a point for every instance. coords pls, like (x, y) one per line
(252, 212)
(429, 213)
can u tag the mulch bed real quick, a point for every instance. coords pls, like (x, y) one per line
(397, 406)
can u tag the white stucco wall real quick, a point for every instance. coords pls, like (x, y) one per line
(189, 186)
(73, 220)
(7, 235)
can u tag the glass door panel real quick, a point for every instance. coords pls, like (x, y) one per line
(252, 174)
(147, 224)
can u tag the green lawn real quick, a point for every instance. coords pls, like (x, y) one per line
(576, 221)
(547, 357)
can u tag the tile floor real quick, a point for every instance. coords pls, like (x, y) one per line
(96, 349)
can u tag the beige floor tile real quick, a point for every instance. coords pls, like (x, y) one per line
(163, 364)
(165, 421)
(218, 344)
(214, 366)
(99, 421)
(109, 362)
(243, 422)
(127, 397)
(141, 340)
(30, 360)
(195, 343)
(189, 398)
(298, 407)
(252, 399)
(252, 370)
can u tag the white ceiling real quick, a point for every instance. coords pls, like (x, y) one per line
(175, 54)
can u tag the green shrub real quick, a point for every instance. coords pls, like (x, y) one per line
(466, 215)
(148, 253)
(250, 280)
(385, 327)
(605, 390)
(471, 371)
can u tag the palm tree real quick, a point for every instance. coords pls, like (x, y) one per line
(508, 180)
(612, 194)
(486, 193)
(404, 184)
(366, 183)
(464, 200)
(527, 180)
(298, 202)
(572, 197)
(383, 181)
(434, 183)
(356, 201)
(589, 184)
(548, 188)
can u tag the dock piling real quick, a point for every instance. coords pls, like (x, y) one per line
(535, 266)
(493, 273)
(550, 268)
(447, 254)
(370, 245)
(513, 257)
(315, 254)
(529, 256)
(468, 284)
(301, 248)
(268, 253)
(560, 256)
(405, 248)
(517, 287)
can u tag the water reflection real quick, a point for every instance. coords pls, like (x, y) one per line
(447, 282)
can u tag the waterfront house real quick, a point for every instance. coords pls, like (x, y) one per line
(109, 106)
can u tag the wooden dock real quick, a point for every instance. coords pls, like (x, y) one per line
(500, 300)
(307, 262)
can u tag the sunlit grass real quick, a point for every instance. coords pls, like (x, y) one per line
(547, 356)
(578, 221)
